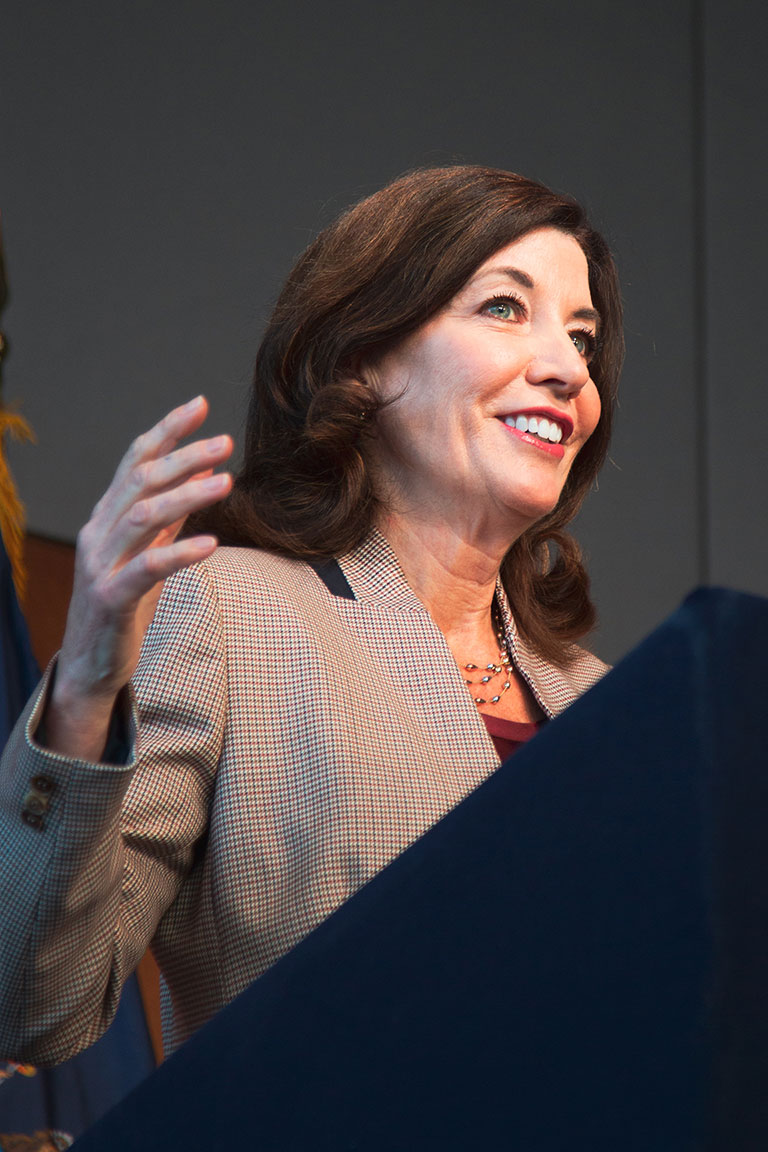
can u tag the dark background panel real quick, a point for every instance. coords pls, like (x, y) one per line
(734, 298)
(163, 165)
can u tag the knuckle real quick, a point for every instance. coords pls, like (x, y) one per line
(101, 589)
(86, 549)
(138, 476)
(88, 566)
(91, 570)
(137, 450)
(140, 513)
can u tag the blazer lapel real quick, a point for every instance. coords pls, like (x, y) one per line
(392, 621)
(373, 574)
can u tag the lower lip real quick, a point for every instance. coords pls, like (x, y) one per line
(555, 450)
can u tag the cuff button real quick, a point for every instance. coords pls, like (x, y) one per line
(35, 803)
(43, 783)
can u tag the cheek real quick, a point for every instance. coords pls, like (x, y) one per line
(591, 409)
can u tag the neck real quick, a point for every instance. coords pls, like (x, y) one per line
(454, 578)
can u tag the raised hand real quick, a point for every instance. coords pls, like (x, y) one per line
(124, 553)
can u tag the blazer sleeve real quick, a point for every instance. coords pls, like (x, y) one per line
(94, 854)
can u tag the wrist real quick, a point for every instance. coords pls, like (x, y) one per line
(76, 722)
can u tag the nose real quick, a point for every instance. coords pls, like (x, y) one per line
(557, 362)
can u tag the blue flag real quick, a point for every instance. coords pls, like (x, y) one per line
(53, 1106)
(18, 669)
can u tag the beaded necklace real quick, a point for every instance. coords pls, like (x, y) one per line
(491, 671)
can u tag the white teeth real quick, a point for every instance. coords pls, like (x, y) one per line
(546, 429)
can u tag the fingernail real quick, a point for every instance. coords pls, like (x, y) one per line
(193, 404)
(216, 446)
(215, 483)
(204, 543)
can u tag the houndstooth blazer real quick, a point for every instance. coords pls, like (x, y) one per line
(290, 730)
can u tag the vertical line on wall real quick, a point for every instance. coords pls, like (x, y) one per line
(700, 286)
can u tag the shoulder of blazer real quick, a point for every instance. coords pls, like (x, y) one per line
(371, 574)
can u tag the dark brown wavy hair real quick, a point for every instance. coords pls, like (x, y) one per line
(378, 273)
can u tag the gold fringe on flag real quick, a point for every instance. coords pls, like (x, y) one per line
(15, 426)
(11, 508)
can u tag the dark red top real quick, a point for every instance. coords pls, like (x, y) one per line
(509, 735)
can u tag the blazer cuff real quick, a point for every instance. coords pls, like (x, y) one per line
(120, 745)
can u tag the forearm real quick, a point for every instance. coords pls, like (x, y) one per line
(85, 883)
(60, 894)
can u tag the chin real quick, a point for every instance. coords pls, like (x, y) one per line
(533, 508)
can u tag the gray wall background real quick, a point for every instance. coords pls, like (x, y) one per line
(162, 165)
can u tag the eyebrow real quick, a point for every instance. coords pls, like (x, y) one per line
(522, 278)
(525, 281)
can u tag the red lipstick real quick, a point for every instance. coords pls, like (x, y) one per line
(555, 450)
(553, 415)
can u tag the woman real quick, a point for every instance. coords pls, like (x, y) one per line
(432, 400)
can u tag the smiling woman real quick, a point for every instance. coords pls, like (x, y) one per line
(385, 269)
(227, 754)
(447, 449)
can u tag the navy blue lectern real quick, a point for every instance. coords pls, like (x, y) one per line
(575, 958)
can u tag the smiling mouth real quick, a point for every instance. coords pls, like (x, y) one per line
(545, 428)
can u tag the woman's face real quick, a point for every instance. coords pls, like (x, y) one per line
(493, 396)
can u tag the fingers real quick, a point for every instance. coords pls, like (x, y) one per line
(167, 433)
(172, 473)
(149, 524)
(158, 484)
(154, 462)
(185, 463)
(145, 570)
(129, 546)
(166, 511)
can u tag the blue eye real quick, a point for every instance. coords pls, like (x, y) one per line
(585, 343)
(505, 307)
